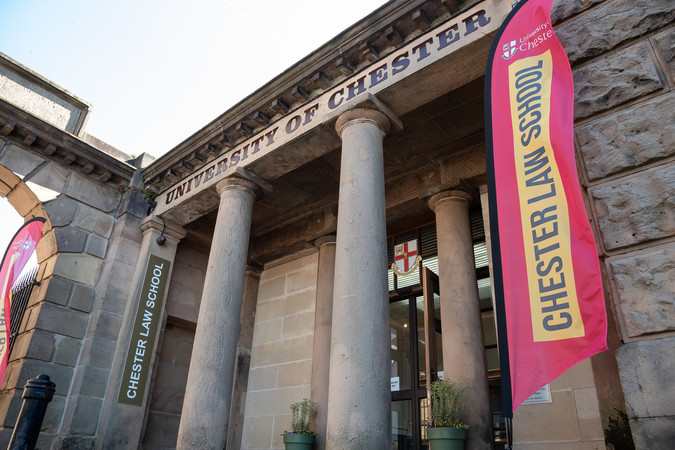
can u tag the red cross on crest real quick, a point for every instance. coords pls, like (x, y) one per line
(406, 258)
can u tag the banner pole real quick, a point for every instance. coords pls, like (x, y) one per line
(500, 308)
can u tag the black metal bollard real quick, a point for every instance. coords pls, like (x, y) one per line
(36, 396)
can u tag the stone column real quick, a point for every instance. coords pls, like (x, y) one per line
(243, 359)
(323, 318)
(359, 408)
(461, 324)
(206, 408)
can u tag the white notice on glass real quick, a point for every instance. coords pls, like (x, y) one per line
(395, 384)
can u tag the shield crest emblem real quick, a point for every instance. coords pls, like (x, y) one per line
(406, 258)
(509, 50)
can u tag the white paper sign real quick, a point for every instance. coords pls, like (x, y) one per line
(543, 395)
(395, 384)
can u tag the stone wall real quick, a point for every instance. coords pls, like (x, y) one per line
(185, 292)
(168, 387)
(570, 421)
(82, 420)
(622, 54)
(281, 357)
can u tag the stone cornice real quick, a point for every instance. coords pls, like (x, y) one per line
(58, 145)
(50, 89)
(376, 36)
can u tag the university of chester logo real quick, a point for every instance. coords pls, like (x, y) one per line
(509, 50)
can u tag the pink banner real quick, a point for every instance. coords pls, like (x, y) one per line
(546, 265)
(16, 256)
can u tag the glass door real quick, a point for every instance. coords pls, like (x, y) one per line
(432, 325)
(416, 358)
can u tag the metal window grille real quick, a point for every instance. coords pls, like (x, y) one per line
(20, 295)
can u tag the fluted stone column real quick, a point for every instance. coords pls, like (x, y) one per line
(323, 319)
(461, 324)
(359, 408)
(204, 419)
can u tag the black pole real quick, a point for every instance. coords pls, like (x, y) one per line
(500, 307)
(36, 396)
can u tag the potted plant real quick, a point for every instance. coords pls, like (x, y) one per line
(445, 430)
(300, 438)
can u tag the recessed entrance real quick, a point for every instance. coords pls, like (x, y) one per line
(416, 360)
(416, 352)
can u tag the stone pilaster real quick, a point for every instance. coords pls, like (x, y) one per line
(121, 424)
(461, 324)
(206, 408)
(243, 362)
(323, 319)
(359, 408)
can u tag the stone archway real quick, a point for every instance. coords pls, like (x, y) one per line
(26, 203)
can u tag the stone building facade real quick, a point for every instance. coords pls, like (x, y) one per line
(187, 301)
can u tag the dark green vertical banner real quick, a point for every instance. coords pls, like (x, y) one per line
(137, 366)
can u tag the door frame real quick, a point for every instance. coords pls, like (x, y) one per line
(417, 392)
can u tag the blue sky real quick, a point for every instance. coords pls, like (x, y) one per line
(156, 71)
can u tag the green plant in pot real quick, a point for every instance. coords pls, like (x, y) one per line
(445, 430)
(300, 437)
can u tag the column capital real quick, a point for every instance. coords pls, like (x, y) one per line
(453, 195)
(238, 183)
(363, 115)
(253, 270)
(159, 225)
(324, 240)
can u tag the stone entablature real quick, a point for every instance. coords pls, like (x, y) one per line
(395, 24)
(388, 72)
